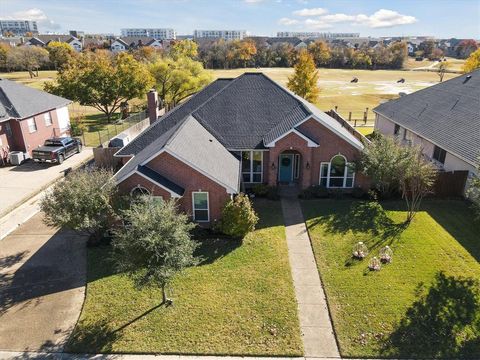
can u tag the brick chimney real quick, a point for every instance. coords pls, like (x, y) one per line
(152, 101)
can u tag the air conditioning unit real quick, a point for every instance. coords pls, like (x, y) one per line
(16, 157)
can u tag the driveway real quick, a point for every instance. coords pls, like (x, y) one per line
(42, 286)
(19, 183)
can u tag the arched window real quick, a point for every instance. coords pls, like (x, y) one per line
(338, 173)
(139, 190)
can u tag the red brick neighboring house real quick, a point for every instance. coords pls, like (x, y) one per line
(28, 117)
(233, 134)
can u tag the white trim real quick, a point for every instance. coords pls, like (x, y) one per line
(208, 205)
(309, 141)
(423, 137)
(251, 172)
(345, 176)
(140, 187)
(172, 193)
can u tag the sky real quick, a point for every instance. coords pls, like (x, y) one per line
(439, 18)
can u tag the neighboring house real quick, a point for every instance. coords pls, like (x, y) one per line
(44, 40)
(444, 120)
(29, 116)
(135, 42)
(233, 134)
(296, 42)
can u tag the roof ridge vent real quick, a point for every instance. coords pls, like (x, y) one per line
(468, 77)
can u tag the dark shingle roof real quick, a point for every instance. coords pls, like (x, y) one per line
(447, 114)
(159, 179)
(19, 101)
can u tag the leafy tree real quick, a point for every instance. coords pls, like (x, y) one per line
(427, 47)
(320, 52)
(28, 58)
(393, 167)
(155, 245)
(465, 48)
(399, 51)
(184, 48)
(147, 54)
(4, 50)
(103, 81)
(177, 79)
(379, 161)
(60, 53)
(417, 177)
(474, 192)
(473, 62)
(361, 60)
(245, 51)
(304, 81)
(81, 202)
(238, 217)
(442, 69)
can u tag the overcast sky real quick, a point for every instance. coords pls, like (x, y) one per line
(440, 18)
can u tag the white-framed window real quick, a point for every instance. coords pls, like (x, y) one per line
(252, 166)
(32, 126)
(48, 119)
(139, 190)
(338, 173)
(200, 205)
(297, 166)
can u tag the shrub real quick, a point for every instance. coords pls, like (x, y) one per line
(260, 190)
(314, 192)
(336, 193)
(238, 217)
(358, 193)
(273, 193)
(77, 126)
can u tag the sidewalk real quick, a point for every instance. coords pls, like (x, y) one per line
(315, 324)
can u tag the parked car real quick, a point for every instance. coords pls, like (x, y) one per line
(55, 150)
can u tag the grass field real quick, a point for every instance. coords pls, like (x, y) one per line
(240, 300)
(426, 303)
(373, 87)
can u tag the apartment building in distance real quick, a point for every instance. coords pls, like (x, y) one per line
(315, 34)
(156, 33)
(18, 27)
(220, 34)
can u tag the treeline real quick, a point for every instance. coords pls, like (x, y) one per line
(223, 54)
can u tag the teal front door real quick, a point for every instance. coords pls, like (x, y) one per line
(286, 168)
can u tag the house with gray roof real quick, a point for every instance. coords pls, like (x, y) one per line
(444, 120)
(232, 135)
(28, 117)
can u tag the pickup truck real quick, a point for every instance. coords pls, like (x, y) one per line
(55, 150)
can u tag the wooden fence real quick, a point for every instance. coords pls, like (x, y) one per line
(450, 184)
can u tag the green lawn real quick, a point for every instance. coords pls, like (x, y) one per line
(424, 304)
(239, 301)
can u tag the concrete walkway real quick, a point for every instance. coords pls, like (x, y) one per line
(315, 324)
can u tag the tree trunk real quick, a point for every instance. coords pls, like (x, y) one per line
(164, 294)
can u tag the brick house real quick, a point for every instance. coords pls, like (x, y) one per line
(28, 117)
(233, 134)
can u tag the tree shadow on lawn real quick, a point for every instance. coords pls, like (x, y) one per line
(443, 323)
(362, 217)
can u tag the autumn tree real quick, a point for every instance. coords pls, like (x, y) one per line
(473, 62)
(177, 79)
(184, 48)
(102, 80)
(442, 69)
(245, 52)
(427, 47)
(465, 48)
(4, 50)
(60, 53)
(28, 58)
(320, 52)
(304, 81)
(361, 60)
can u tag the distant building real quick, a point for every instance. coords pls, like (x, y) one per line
(157, 33)
(314, 34)
(18, 27)
(220, 34)
(77, 34)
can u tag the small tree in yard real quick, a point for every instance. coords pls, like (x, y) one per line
(155, 245)
(442, 69)
(417, 177)
(238, 217)
(304, 81)
(474, 192)
(393, 167)
(81, 202)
